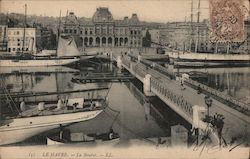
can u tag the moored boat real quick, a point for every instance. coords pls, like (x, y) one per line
(67, 53)
(208, 59)
(37, 62)
(43, 117)
(42, 69)
(108, 138)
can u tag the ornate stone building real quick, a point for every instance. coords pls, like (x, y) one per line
(103, 31)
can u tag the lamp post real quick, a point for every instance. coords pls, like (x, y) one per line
(208, 102)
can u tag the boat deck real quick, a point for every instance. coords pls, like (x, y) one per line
(52, 109)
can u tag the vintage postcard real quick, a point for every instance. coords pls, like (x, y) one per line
(124, 79)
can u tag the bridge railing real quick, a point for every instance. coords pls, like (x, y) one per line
(126, 62)
(154, 65)
(178, 100)
(230, 101)
(135, 67)
(139, 70)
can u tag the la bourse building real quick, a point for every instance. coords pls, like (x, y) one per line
(103, 30)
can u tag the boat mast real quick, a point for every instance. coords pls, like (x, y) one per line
(7, 22)
(66, 19)
(24, 27)
(192, 29)
(58, 31)
(198, 30)
(228, 47)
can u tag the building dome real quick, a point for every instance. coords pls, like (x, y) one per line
(134, 19)
(102, 14)
(71, 19)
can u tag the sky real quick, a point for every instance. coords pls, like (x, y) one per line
(147, 10)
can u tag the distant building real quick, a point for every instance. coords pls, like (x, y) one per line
(103, 31)
(16, 38)
(3, 37)
(182, 36)
(185, 36)
(155, 37)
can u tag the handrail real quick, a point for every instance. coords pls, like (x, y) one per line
(220, 95)
(173, 97)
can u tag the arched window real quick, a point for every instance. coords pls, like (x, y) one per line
(116, 41)
(81, 41)
(103, 41)
(126, 41)
(90, 41)
(85, 41)
(121, 41)
(97, 41)
(110, 41)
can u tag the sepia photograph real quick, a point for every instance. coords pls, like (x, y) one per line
(124, 79)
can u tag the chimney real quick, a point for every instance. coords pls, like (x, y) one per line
(134, 15)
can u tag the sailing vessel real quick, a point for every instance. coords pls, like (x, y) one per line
(67, 53)
(42, 117)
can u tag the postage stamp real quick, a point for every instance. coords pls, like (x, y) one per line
(227, 20)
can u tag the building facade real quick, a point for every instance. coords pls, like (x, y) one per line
(16, 38)
(182, 36)
(103, 31)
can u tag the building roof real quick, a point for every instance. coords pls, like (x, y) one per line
(134, 19)
(102, 14)
(71, 19)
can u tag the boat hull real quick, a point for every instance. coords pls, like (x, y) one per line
(41, 69)
(112, 142)
(20, 129)
(86, 57)
(208, 63)
(37, 62)
(209, 60)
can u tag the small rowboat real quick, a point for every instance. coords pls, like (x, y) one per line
(107, 139)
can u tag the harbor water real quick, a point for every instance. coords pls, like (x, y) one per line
(129, 113)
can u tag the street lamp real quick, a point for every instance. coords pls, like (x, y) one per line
(208, 102)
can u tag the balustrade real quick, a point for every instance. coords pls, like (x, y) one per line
(176, 99)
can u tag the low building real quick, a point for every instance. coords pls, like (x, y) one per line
(17, 42)
(103, 31)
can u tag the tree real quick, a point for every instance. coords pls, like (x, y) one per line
(146, 41)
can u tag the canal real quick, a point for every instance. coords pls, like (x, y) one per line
(130, 113)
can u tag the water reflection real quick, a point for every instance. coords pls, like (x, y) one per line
(126, 113)
(130, 123)
(130, 113)
(231, 81)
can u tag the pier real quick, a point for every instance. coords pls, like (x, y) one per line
(34, 94)
(102, 77)
(182, 93)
